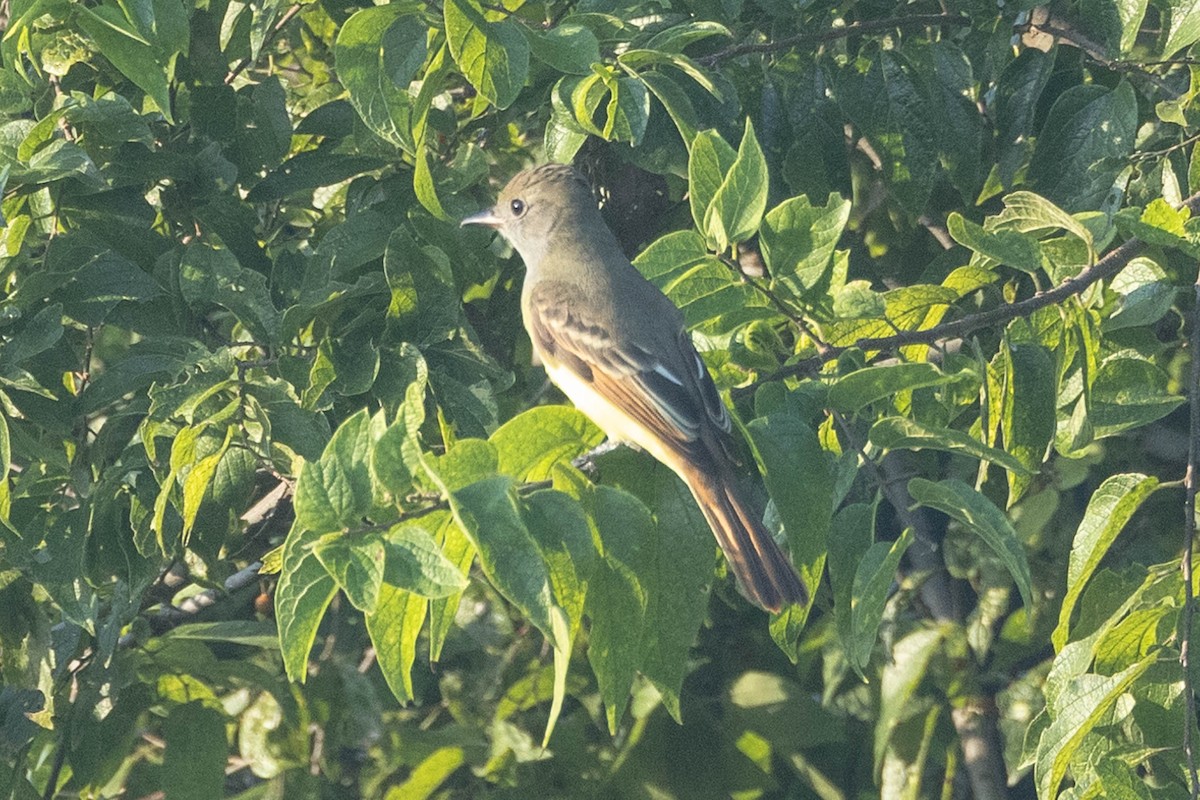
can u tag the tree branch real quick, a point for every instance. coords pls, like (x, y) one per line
(867, 26)
(279, 25)
(1112, 263)
(975, 720)
(1062, 31)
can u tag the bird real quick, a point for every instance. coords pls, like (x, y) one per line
(617, 347)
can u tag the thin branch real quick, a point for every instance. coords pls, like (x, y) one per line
(279, 25)
(174, 616)
(1189, 530)
(780, 305)
(1112, 263)
(1063, 31)
(1166, 151)
(867, 26)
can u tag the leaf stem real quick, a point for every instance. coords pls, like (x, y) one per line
(780, 305)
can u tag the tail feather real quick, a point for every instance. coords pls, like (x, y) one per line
(763, 570)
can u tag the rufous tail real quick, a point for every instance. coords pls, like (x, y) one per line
(765, 573)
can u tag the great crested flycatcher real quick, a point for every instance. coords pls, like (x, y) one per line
(616, 346)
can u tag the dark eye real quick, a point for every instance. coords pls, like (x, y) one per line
(518, 207)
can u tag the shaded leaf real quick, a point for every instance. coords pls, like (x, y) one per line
(978, 514)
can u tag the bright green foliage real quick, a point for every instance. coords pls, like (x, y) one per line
(247, 353)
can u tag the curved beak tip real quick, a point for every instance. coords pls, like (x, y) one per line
(486, 217)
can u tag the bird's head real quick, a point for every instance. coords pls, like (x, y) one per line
(539, 205)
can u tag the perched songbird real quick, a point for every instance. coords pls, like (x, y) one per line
(617, 347)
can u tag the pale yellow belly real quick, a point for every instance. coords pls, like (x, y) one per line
(618, 425)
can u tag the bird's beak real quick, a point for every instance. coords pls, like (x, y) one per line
(486, 217)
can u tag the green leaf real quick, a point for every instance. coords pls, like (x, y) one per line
(799, 482)
(1029, 418)
(62, 159)
(126, 50)
(704, 289)
(457, 548)
(562, 139)
(108, 119)
(235, 631)
(865, 386)
(1129, 393)
(737, 206)
(1118, 780)
(1084, 144)
(1110, 508)
(106, 279)
(1183, 28)
(531, 444)
(676, 103)
(195, 753)
(393, 628)
(427, 777)
(396, 457)
(798, 240)
(902, 675)
(894, 433)
(628, 111)
(493, 56)
(5, 450)
(413, 561)
(568, 47)
(1017, 92)
(196, 484)
(210, 276)
(1026, 212)
(851, 535)
(584, 98)
(561, 530)
(425, 186)
(304, 592)
(1003, 247)
(952, 91)
(489, 513)
(310, 170)
(640, 58)
(890, 106)
(356, 562)
(872, 580)
(378, 52)
(959, 501)
(334, 492)
(710, 161)
(1134, 637)
(677, 37)
(37, 336)
(1146, 295)
(673, 567)
(1084, 705)
(616, 600)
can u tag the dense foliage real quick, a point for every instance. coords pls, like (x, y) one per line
(286, 511)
